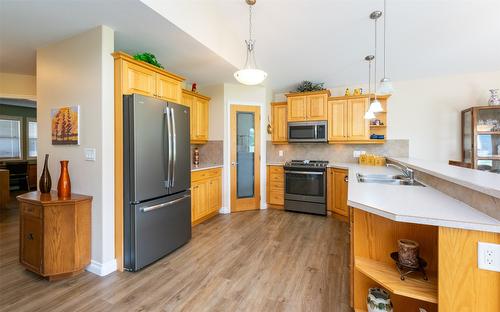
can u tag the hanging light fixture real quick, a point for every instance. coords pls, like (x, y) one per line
(369, 114)
(250, 74)
(375, 106)
(386, 86)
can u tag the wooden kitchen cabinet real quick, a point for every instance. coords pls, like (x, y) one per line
(168, 89)
(138, 79)
(346, 122)
(275, 186)
(307, 106)
(206, 194)
(279, 123)
(337, 181)
(54, 233)
(198, 105)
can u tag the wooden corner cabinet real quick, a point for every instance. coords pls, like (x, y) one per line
(481, 138)
(279, 123)
(198, 105)
(206, 198)
(307, 106)
(346, 122)
(54, 233)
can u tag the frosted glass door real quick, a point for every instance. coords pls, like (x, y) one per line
(245, 155)
(467, 136)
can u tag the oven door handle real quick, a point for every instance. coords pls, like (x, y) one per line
(305, 172)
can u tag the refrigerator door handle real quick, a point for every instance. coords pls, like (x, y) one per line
(174, 147)
(163, 205)
(167, 137)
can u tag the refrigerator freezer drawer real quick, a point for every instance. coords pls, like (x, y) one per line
(160, 227)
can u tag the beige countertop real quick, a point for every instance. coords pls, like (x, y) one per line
(205, 167)
(413, 204)
(481, 181)
(275, 163)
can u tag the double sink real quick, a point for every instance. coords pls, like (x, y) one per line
(387, 179)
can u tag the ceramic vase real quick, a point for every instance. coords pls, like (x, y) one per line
(64, 184)
(45, 183)
(494, 99)
(378, 300)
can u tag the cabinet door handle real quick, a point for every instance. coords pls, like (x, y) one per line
(30, 236)
(346, 179)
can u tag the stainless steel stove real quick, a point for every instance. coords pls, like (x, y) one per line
(305, 186)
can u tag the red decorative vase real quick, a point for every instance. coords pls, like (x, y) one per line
(64, 184)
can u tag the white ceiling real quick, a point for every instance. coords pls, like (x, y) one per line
(318, 40)
(327, 40)
(29, 24)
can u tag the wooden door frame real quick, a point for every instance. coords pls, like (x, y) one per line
(253, 203)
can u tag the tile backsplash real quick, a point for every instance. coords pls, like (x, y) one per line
(211, 152)
(334, 152)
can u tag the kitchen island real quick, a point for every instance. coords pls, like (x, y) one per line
(447, 230)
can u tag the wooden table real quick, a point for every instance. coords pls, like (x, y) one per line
(4, 188)
(54, 233)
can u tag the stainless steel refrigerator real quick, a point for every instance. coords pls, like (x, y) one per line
(157, 179)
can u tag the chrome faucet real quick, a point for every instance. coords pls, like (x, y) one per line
(407, 172)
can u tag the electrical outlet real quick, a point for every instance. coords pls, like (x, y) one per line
(488, 256)
(358, 153)
(280, 153)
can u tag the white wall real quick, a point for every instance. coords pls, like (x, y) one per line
(79, 71)
(427, 111)
(16, 86)
(244, 95)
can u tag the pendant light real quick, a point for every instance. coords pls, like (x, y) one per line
(375, 106)
(250, 74)
(386, 86)
(369, 114)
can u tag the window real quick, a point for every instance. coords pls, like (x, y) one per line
(32, 138)
(10, 137)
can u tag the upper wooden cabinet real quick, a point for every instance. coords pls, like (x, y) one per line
(143, 78)
(306, 106)
(346, 122)
(279, 123)
(198, 105)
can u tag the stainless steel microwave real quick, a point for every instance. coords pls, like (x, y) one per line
(307, 131)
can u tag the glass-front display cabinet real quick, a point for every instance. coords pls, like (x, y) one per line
(481, 138)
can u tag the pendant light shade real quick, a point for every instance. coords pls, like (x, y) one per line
(369, 115)
(376, 107)
(386, 86)
(250, 74)
(385, 83)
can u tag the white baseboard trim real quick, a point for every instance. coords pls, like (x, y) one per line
(102, 269)
(224, 210)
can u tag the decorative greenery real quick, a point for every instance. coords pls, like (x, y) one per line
(148, 58)
(307, 86)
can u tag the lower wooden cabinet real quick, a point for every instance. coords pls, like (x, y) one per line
(276, 186)
(54, 233)
(337, 191)
(206, 194)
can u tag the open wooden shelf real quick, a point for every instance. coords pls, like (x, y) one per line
(414, 286)
(378, 126)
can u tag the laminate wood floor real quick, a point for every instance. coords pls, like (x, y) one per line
(249, 261)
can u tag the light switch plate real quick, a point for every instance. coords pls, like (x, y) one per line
(280, 153)
(90, 154)
(488, 256)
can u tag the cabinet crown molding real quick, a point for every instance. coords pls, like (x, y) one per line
(122, 55)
